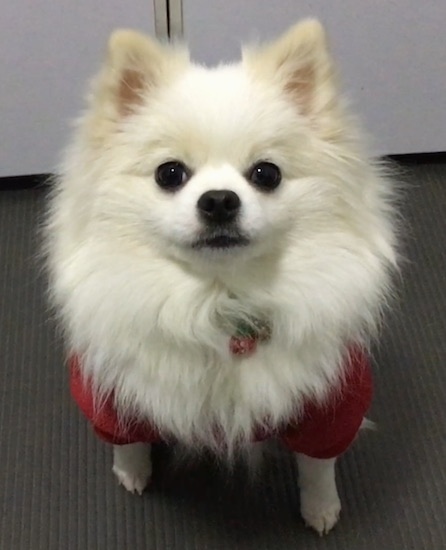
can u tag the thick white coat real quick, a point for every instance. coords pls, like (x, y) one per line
(144, 310)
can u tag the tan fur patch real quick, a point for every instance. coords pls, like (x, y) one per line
(301, 86)
(129, 91)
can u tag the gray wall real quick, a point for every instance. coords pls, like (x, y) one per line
(48, 49)
(392, 55)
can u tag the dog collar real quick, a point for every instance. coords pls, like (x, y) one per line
(248, 335)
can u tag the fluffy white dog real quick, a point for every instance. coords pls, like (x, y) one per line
(220, 249)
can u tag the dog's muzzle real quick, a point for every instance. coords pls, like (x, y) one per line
(219, 211)
(219, 207)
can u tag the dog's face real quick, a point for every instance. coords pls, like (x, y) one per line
(215, 163)
(220, 164)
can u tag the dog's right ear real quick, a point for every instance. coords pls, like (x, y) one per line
(135, 64)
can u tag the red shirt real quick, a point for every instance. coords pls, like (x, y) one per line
(323, 431)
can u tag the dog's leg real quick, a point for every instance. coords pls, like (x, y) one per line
(132, 465)
(319, 501)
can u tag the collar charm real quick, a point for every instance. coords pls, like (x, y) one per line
(248, 336)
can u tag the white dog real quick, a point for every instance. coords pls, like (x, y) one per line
(220, 250)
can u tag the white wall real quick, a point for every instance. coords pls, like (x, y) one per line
(48, 49)
(392, 55)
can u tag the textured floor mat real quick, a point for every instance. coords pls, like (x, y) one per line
(56, 488)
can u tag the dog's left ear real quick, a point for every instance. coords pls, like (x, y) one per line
(300, 62)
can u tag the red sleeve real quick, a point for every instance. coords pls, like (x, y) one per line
(327, 430)
(103, 415)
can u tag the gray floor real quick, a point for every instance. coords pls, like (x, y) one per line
(56, 489)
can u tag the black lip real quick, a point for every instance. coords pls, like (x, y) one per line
(221, 242)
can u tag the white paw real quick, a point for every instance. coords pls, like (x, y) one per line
(135, 482)
(132, 466)
(318, 513)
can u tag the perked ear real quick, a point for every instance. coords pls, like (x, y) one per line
(135, 64)
(132, 66)
(300, 62)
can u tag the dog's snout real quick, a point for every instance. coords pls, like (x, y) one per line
(219, 206)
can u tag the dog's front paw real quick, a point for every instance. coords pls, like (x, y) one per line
(319, 512)
(319, 501)
(135, 482)
(132, 466)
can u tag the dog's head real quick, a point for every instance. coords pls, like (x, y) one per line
(181, 178)
(210, 164)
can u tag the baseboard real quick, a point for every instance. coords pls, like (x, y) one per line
(419, 158)
(40, 180)
(24, 182)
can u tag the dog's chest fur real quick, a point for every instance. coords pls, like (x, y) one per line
(183, 376)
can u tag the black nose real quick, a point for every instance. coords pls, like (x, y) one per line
(219, 206)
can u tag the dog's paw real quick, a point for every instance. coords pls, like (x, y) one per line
(134, 482)
(132, 466)
(320, 514)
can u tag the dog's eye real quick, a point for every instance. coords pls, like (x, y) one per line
(265, 175)
(171, 175)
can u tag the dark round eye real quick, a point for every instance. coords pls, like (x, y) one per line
(171, 175)
(265, 176)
